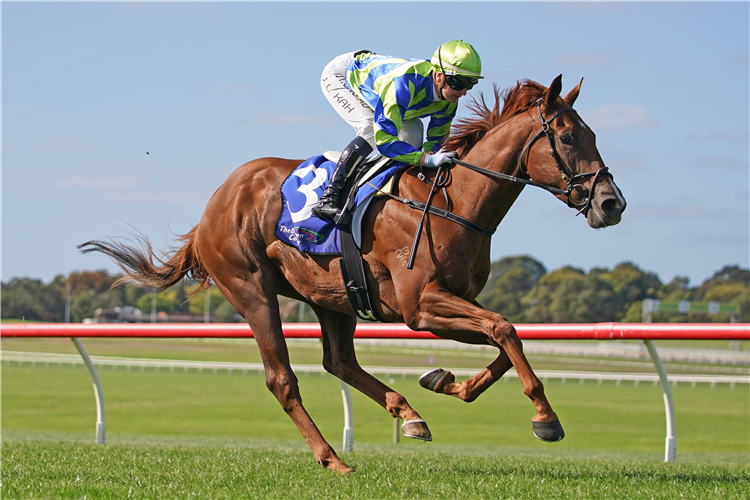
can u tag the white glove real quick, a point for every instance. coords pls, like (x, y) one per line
(439, 158)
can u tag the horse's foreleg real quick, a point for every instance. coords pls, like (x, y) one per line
(340, 359)
(444, 382)
(444, 314)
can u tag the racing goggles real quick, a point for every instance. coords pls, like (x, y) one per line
(455, 82)
(460, 82)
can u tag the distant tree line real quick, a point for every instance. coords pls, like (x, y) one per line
(30, 299)
(519, 288)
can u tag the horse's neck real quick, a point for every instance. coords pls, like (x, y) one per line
(486, 200)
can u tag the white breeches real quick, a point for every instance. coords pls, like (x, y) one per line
(357, 112)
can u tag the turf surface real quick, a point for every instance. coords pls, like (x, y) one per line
(595, 417)
(181, 435)
(52, 468)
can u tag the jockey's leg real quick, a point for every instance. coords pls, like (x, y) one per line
(351, 158)
(356, 113)
(350, 107)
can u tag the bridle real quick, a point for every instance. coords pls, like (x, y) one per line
(571, 179)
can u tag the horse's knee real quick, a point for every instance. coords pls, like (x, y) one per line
(284, 387)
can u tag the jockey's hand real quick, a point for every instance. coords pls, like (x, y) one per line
(439, 158)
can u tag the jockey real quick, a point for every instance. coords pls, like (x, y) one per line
(384, 97)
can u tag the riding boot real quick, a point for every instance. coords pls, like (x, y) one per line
(352, 157)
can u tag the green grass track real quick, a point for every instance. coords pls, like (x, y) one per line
(595, 417)
(190, 435)
(155, 470)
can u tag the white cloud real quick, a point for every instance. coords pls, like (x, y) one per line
(125, 182)
(737, 62)
(718, 161)
(618, 117)
(685, 208)
(736, 135)
(126, 175)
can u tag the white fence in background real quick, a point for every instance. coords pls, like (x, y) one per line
(214, 367)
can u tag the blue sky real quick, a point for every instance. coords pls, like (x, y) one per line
(123, 116)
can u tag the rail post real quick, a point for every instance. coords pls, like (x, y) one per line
(670, 447)
(348, 417)
(98, 392)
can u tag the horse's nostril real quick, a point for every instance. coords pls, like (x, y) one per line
(611, 206)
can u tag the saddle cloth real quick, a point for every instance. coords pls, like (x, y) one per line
(300, 192)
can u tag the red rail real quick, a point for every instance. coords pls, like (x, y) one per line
(582, 331)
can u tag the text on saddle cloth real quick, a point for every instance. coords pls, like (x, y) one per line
(302, 190)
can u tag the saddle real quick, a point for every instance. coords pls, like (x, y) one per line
(298, 227)
(300, 192)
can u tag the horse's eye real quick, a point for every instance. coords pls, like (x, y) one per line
(566, 139)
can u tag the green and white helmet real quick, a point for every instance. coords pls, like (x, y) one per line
(457, 58)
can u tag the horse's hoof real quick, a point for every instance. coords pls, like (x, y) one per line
(416, 429)
(435, 380)
(549, 432)
(341, 468)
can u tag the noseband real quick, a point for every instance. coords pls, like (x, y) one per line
(571, 179)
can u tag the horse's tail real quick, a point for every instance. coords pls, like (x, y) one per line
(144, 267)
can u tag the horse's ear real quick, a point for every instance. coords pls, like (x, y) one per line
(573, 94)
(553, 92)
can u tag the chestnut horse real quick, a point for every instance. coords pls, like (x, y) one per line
(234, 246)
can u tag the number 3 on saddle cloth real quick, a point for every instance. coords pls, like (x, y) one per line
(303, 188)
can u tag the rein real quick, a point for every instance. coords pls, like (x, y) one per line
(571, 179)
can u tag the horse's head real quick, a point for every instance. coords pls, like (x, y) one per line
(563, 155)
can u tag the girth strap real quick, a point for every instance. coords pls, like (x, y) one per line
(353, 273)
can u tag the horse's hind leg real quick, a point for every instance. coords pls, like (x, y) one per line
(253, 294)
(340, 360)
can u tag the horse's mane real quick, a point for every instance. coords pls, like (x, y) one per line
(466, 132)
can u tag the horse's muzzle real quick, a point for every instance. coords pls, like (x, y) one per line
(607, 206)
